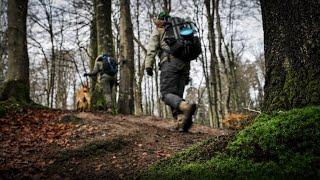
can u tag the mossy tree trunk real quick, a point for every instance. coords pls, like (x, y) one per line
(17, 85)
(292, 51)
(102, 43)
(126, 98)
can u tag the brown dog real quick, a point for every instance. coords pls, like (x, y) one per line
(83, 98)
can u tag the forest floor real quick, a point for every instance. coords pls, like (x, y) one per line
(41, 144)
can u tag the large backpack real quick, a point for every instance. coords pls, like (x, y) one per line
(110, 65)
(180, 36)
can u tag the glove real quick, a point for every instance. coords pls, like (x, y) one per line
(85, 74)
(188, 80)
(149, 71)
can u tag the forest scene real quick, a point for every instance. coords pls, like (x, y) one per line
(159, 89)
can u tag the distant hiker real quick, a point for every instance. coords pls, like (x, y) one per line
(105, 68)
(174, 41)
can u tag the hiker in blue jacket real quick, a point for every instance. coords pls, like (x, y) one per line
(105, 69)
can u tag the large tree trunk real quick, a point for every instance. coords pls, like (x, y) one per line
(17, 85)
(104, 44)
(104, 31)
(292, 51)
(126, 98)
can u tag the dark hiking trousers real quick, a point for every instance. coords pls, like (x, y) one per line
(173, 78)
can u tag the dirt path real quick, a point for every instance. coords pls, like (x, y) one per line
(61, 144)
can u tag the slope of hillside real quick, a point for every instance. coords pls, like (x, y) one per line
(285, 145)
(65, 144)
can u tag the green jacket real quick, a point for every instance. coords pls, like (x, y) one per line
(156, 46)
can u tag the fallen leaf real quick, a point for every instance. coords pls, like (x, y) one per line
(98, 167)
(51, 161)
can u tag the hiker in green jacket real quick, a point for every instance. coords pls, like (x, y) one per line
(105, 69)
(174, 75)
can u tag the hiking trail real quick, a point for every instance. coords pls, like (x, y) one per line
(66, 144)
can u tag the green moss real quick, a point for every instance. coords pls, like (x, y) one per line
(14, 106)
(272, 137)
(280, 146)
(14, 97)
(300, 88)
(2, 110)
(17, 90)
(98, 100)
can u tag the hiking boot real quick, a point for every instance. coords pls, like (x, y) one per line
(188, 111)
(180, 120)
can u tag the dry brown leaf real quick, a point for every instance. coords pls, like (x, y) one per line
(98, 167)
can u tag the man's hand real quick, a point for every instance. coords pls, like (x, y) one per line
(149, 71)
(188, 80)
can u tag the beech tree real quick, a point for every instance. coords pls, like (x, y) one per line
(17, 83)
(101, 42)
(126, 98)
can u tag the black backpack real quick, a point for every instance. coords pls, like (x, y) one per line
(110, 65)
(180, 36)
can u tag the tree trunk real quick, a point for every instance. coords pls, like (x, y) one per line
(138, 88)
(292, 51)
(225, 74)
(152, 97)
(17, 85)
(93, 51)
(3, 40)
(213, 63)
(126, 98)
(60, 80)
(146, 84)
(157, 79)
(104, 31)
(104, 44)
